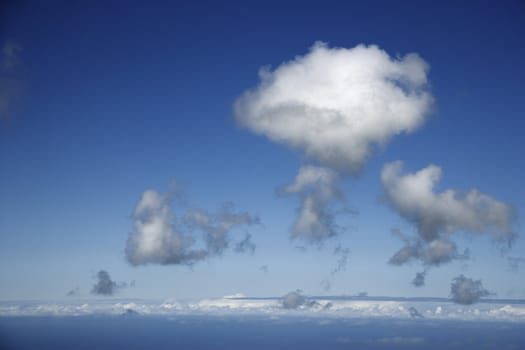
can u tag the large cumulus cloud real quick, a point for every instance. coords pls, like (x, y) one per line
(335, 104)
(436, 216)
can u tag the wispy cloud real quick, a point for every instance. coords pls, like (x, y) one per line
(318, 190)
(9, 82)
(216, 226)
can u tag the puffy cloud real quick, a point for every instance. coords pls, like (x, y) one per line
(438, 215)
(293, 300)
(466, 291)
(435, 252)
(318, 189)
(419, 280)
(104, 285)
(335, 104)
(156, 238)
(413, 197)
(9, 83)
(217, 226)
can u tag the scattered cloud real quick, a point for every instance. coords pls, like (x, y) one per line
(9, 82)
(318, 189)
(436, 216)
(104, 285)
(293, 300)
(413, 197)
(217, 226)
(466, 291)
(246, 245)
(326, 284)
(413, 312)
(419, 280)
(157, 238)
(515, 262)
(73, 292)
(335, 104)
(342, 258)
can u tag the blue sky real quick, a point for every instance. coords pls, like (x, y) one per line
(118, 98)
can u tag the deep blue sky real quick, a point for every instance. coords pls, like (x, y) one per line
(120, 97)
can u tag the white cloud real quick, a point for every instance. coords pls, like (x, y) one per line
(335, 104)
(318, 188)
(413, 196)
(438, 215)
(157, 239)
(154, 238)
(342, 309)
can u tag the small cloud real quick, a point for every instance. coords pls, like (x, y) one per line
(326, 285)
(318, 189)
(466, 291)
(73, 292)
(515, 262)
(246, 245)
(419, 280)
(104, 285)
(217, 226)
(293, 300)
(414, 198)
(10, 56)
(413, 312)
(437, 216)
(157, 237)
(9, 82)
(342, 260)
(264, 268)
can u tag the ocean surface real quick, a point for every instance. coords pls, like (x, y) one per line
(253, 332)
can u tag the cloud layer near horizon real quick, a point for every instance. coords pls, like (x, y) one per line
(335, 104)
